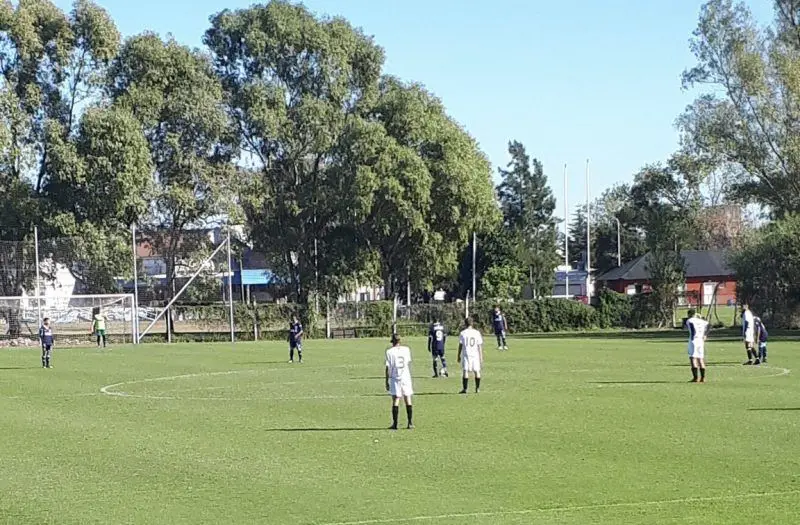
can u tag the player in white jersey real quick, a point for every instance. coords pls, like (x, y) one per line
(470, 355)
(698, 332)
(398, 379)
(749, 335)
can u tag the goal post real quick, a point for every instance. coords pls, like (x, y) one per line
(71, 317)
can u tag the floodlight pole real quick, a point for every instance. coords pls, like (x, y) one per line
(619, 242)
(230, 286)
(135, 286)
(588, 233)
(566, 234)
(38, 280)
(474, 265)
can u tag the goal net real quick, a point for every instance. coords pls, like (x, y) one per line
(70, 317)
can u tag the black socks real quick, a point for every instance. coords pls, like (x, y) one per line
(465, 383)
(395, 411)
(694, 373)
(703, 373)
(410, 414)
(477, 383)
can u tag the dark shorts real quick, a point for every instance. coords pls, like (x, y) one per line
(437, 352)
(296, 344)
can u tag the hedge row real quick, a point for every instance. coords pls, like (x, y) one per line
(375, 318)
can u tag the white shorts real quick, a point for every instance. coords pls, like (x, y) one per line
(749, 337)
(400, 388)
(471, 364)
(697, 350)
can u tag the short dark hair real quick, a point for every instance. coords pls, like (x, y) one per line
(468, 321)
(46, 319)
(692, 312)
(395, 339)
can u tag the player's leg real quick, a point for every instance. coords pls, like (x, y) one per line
(444, 364)
(464, 376)
(701, 364)
(477, 380)
(409, 411)
(97, 335)
(762, 350)
(499, 336)
(47, 350)
(695, 371)
(503, 338)
(291, 352)
(435, 364)
(44, 352)
(395, 410)
(300, 352)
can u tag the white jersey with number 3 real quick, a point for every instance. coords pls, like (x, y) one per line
(397, 360)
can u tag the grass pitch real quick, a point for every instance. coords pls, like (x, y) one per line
(565, 431)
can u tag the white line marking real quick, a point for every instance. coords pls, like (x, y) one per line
(576, 508)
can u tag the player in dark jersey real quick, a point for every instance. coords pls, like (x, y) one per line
(761, 339)
(46, 337)
(295, 339)
(500, 328)
(437, 338)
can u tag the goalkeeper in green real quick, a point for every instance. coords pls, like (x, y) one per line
(99, 327)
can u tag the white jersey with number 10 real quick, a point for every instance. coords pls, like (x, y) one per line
(470, 339)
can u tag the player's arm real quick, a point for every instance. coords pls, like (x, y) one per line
(505, 324)
(300, 332)
(387, 377)
(460, 349)
(480, 350)
(430, 340)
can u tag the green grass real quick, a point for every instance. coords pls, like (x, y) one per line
(566, 431)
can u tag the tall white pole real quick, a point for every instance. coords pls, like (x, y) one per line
(230, 287)
(588, 222)
(588, 233)
(566, 233)
(619, 242)
(135, 286)
(474, 259)
(38, 279)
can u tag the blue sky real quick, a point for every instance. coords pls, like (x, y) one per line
(597, 79)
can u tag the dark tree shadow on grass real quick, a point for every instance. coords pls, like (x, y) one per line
(19, 367)
(773, 409)
(718, 334)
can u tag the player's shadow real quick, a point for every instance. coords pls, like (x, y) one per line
(718, 363)
(635, 382)
(256, 363)
(332, 429)
(370, 378)
(415, 394)
(18, 367)
(788, 409)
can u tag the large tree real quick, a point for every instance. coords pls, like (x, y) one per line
(358, 174)
(293, 83)
(748, 121)
(527, 203)
(73, 173)
(178, 102)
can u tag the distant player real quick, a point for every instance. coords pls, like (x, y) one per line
(470, 355)
(295, 339)
(437, 337)
(761, 338)
(698, 333)
(398, 380)
(500, 328)
(99, 327)
(749, 335)
(46, 337)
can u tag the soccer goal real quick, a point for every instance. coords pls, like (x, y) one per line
(70, 316)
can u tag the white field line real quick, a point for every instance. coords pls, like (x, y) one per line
(575, 508)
